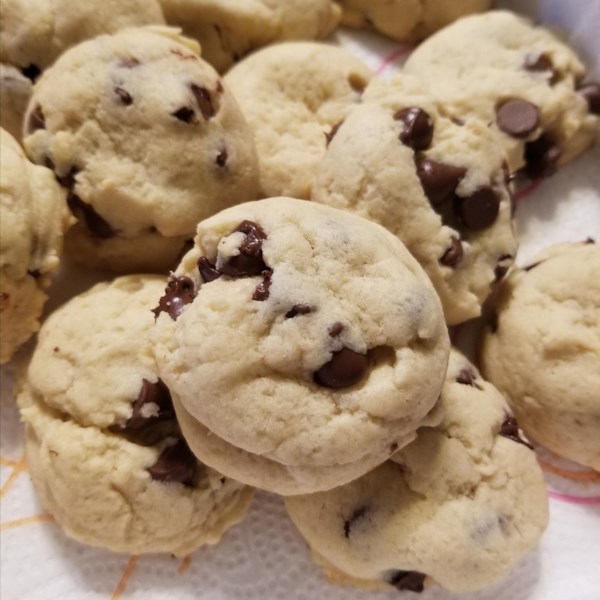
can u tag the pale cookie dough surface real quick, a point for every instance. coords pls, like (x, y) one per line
(453, 214)
(292, 95)
(229, 29)
(521, 78)
(147, 140)
(15, 91)
(314, 341)
(407, 20)
(103, 448)
(459, 506)
(33, 218)
(544, 353)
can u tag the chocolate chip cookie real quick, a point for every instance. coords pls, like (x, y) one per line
(146, 139)
(520, 78)
(103, 447)
(33, 218)
(302, 345)
(293, 95)
(457, 507)
(435, 180)
(542, 349)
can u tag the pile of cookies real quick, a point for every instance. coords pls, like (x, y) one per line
(289, 239)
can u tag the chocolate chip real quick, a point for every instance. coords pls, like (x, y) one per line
(510, 429)
(261, 293)
(539, 64)
(221, 159)
(466, 377)
(589, 241)
(35, 273)
(346, 368)
(438, 180)
(175, 464)
(37, 120)
(32, 72)
(185, 114)
(453, 255)
(179, 292)
(480, 209)
(336, 329)
(249, 262)
(541, 157)
(204, 101)
(417, 131)
(143, 414)
(503, 264)
(518, 118)
(412, 581)
(393, 448)
(357, 83)
(84, 213)
(124, 96)
(591, 93)
(359, 513)
(298, 309)
(329, 136)
(207, 270)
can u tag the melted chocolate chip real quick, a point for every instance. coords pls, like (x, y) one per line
(124, 96)
(298, 309)
(37, 120)
(480, 209)
(204, 101)
(412, 581)
(589, 241)
(261, 293)
(175, 464)
(510, 429)
(418, 127)
(249, 262)
(454, 254)
(438, 180)
(591, 94)
(329, 136)
(346, 368)
(466, 377)
(207, 270)
(518, 118)
(539, 64)
(359, 513)
(32, 72)
(179, 292)
(221, 159)
(85, 213)
(336, 329)
(185, 114)
(541, 157)
(143, 414)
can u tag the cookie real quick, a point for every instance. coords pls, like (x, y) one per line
(457, 507)
(302, 345)
(542, 349)
(522, 79)
(436, 182)
(229, 30)
(292, 95)
(147, 140)
(34, 33)
(407, 20)
(33, 218)
(104, 450)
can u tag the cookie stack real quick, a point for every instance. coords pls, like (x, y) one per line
(294, 239)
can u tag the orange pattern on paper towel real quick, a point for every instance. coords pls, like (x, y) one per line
(8, 462)
(588, 475)
(26, 521)
(185, 564)
(129, 568)
(19, 467)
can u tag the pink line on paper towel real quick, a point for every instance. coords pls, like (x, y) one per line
(393, 56)
(528, 189)
(590, 501)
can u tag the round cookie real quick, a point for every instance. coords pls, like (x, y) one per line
(543, 349)
(292, 95)
(33, 34)
(301, 344)
(229, 29)
(147, 140)
(458, 507)
(436, 182)
(520, 78)
(33, 218)
(407, 20)
(103, 447)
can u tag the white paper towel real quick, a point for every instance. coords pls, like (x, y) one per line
(264, 558)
